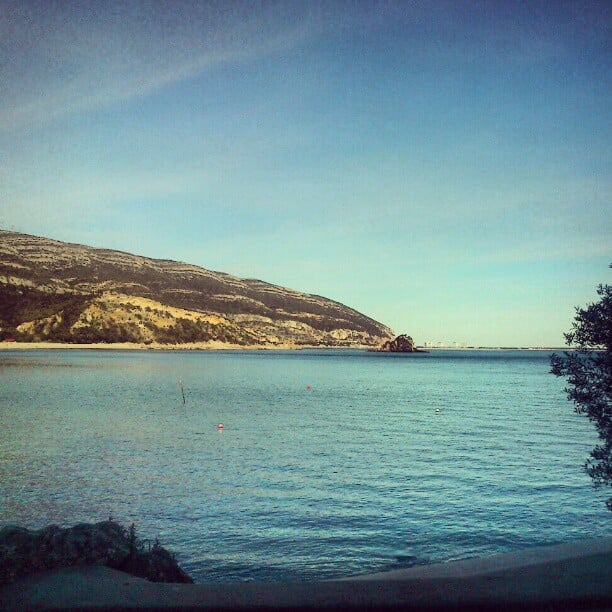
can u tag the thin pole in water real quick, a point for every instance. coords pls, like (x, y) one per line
(182, 390)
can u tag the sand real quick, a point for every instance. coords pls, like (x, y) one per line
(212, 345)
(135, 346)
(574, 576)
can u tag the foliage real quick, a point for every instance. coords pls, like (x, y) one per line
(185, 330)
(589, 375)
(132, 541)
(24, 552)
(19, 303)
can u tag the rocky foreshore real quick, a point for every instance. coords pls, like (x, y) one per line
(107, 543)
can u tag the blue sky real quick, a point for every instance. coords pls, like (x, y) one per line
(443, 167)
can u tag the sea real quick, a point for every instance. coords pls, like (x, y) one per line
(328, 464)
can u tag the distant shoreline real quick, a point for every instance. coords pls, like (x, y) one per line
(218, 346)
(190, 346)
(497, 348)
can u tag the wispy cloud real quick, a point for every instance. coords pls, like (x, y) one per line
(57, 59)
(54, 63)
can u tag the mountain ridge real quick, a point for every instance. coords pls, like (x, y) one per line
(69, 292)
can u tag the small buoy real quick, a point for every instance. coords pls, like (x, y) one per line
(220, 426)
(437, 410)
(308, 387)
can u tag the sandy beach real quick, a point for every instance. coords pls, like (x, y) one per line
(573, 576)
(134, 346)
(214, 346)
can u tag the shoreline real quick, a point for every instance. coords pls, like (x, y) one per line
(495, 348)
(224, 346)
(188, 346)
(567, 576)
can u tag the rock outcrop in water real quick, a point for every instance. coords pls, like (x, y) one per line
(401, 344)
(24, 552)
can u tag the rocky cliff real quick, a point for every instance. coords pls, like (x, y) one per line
(51, 290)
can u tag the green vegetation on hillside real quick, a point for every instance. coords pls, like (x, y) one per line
(19, 304)
(47, 288)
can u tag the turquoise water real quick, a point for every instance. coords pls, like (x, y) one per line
(330, 463)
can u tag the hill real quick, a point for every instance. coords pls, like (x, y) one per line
(57, 291)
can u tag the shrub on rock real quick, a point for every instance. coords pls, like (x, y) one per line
(107, 543)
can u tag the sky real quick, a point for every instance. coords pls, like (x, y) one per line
(443, 167)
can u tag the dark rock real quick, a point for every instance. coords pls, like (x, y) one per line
(401, 344)
(107, 543)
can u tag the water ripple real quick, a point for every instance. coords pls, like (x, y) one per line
(359, 473)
